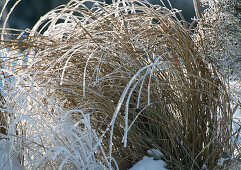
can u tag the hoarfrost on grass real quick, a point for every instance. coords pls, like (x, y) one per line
(99, 60)
(8, 160)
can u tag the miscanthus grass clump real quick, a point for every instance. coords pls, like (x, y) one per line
(96, 86)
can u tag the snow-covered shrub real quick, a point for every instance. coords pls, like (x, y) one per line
(219, 39)
(135, 71)
(43, 135)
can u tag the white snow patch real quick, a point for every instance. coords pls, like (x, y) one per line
(148, 163)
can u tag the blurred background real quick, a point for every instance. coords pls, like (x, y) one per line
(28, 12)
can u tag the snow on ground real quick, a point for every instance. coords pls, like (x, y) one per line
(148, 163)
(8, 162)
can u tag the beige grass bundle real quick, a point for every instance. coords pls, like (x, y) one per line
(134, 68)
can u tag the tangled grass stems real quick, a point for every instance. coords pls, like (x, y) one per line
(44, 136)
(135, 70)
(3, 125)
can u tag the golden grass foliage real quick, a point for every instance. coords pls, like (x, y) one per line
(135, 69)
